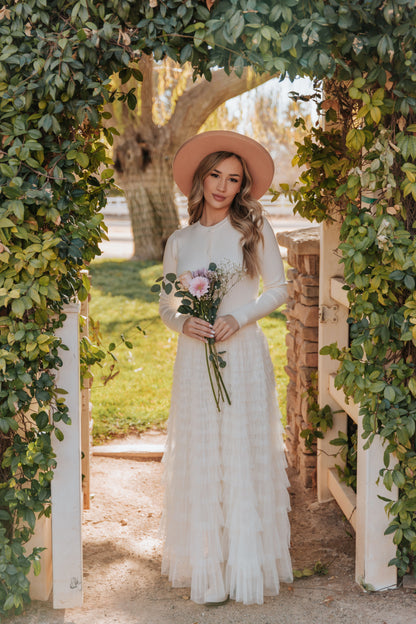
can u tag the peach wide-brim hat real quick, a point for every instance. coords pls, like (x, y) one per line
(189, 155)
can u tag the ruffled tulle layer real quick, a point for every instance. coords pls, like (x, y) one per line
(225, 519)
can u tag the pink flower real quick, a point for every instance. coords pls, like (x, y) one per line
(199, 286)
(185, 279)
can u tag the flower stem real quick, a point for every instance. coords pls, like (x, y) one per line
(210, 376)
(218, 376)
(221, 379)
(214, 362)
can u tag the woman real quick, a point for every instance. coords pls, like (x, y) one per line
(226, 502)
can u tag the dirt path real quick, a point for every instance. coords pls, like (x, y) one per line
(122, 553)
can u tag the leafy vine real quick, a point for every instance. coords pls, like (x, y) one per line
(377, 370)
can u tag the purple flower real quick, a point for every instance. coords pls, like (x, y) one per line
(200, 273)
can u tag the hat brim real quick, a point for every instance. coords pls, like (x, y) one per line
(189, 155)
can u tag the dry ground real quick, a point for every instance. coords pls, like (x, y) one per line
(122, 554)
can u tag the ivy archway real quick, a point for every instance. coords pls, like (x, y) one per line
(56, 60)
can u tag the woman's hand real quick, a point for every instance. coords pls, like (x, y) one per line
(195, 327)
(225, 327)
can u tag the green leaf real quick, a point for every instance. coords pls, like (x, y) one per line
(30, 518)
(354, 93)
(409, 282)
(412, 385)
(398, 478)
(9, 602)
(398, 536)
(59, 435)
(199, 37)
(388, 480)
(82, 159)
(137, 74)
(6, 223)
(389, 393)
(42, 420)
(131, 101)
(5, 425)
(375, 114)
(18, 307)
(36, 567)
(377, 387)
(107, 174)
(239, 66)
(355, 139)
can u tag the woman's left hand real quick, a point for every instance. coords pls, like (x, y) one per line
(224, 327)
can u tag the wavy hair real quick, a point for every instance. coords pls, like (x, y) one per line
(245, 211)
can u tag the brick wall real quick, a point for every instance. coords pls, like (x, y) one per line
(302, 341)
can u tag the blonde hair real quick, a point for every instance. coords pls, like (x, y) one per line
(245, 212)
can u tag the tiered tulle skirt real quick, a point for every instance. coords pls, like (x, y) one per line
(225, 520)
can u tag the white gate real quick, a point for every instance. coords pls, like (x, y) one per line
(364, 510)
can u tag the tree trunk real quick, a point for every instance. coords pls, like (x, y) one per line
(150, 199)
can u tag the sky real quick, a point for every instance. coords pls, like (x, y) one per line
(279, 92)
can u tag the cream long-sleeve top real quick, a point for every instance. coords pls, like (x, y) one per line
(196, 246)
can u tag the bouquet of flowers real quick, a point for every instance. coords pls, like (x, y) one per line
(201, 292)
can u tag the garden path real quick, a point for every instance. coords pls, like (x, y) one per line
(122, 557)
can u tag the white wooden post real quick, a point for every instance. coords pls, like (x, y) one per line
(85, 415)
(66, 484)
(333, 327)
(373, 549)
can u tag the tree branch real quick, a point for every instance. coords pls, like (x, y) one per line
(146, 67)
(196, 104)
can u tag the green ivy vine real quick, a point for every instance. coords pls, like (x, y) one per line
(320, 420)
(378, 249)
(360, 169)
(56, 60)
(53, 83)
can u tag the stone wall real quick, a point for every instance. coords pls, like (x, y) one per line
(302, 313)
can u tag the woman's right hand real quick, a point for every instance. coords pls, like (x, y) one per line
(197, 328)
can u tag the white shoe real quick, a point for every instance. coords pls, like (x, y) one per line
(213, 599)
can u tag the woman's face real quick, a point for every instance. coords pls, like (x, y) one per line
(222, 184)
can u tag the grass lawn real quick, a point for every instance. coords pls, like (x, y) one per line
(138, 397)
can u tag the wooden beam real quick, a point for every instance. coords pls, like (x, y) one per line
(344, 495)
(351, 408)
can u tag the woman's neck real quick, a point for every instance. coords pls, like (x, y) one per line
(210, 218)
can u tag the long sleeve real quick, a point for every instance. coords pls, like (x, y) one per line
(274, 282)
(168, 304)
